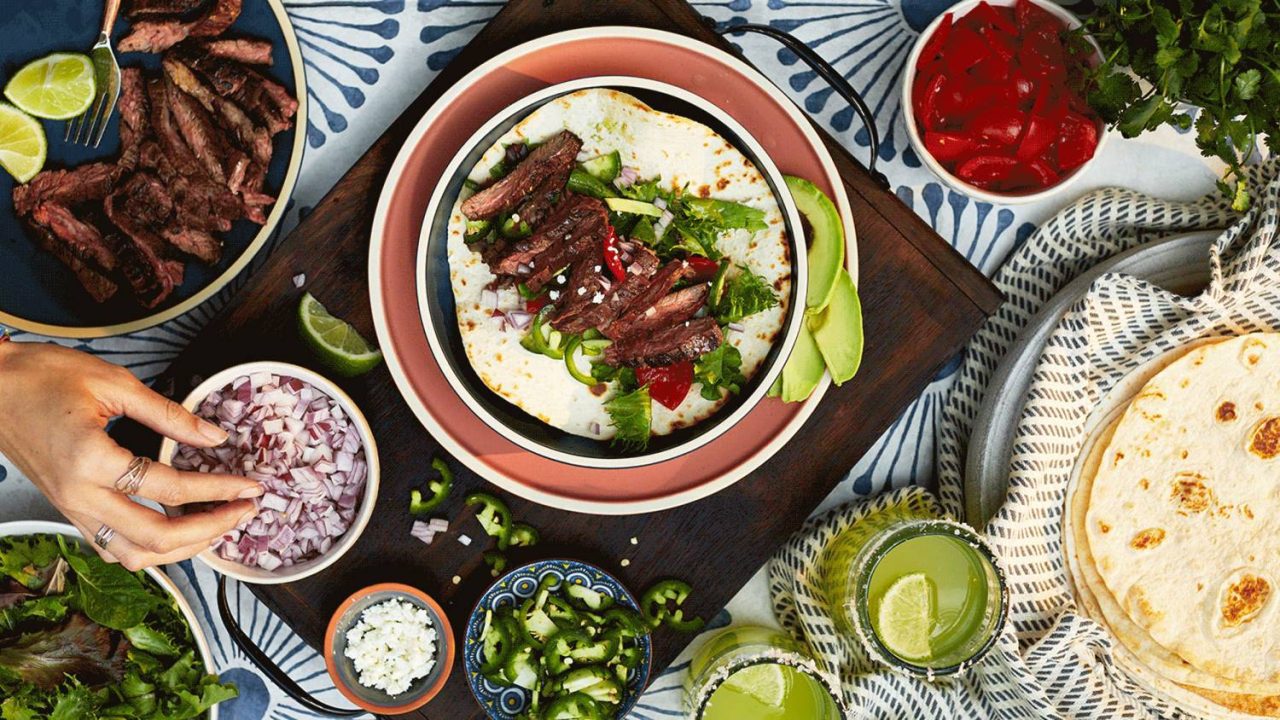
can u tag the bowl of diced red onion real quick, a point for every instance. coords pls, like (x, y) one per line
(309, 446)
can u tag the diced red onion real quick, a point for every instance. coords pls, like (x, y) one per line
(736, 327)
(300, 445)
(488, 299)
(519, 319)
(299, 280)
(626, 246)
(594, 427)
(438, 524)
(661, 203)
(523, 269)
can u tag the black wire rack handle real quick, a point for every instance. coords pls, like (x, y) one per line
(831, 76)
(264, 663)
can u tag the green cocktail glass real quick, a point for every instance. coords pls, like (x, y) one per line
(922, 594)
(758, 673)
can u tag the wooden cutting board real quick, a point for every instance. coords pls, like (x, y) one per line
(921, 302)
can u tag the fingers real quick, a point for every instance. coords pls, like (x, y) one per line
(164, 415)
(154, 532)
(130, 555)
(174, 487)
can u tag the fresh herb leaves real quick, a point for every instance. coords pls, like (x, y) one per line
(720, 368)
(109, 594)
(696, 222)
(744, 294)
(1220, 56)
(24, 559)
(631, 414)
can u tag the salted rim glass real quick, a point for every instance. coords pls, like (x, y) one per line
(972, 652)
(760, 646)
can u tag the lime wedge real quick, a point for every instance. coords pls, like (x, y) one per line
(338, 344)
(22, 143)
(56, 87)
(905, 618)
(766, 682)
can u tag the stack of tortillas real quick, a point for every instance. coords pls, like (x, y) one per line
(1172, 526)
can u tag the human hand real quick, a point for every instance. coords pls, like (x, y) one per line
(54, 407)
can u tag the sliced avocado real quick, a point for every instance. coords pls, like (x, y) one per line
(838, 330)
(803, 370)
(826, 240)
(635, 207)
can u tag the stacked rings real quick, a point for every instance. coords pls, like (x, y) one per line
(132, 479)
(103, 537)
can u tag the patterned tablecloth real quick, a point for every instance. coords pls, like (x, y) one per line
(367, 59)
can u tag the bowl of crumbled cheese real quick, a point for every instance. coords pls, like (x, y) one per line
(389, 648)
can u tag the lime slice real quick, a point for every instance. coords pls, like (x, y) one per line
(22, 143)
(56, 87)
(338, 344)
(905, 618)
(766, 682)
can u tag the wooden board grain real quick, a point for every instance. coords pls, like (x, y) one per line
(921, 302)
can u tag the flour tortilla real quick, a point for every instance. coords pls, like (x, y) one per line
(1182, 515)
(1148, 663)
(684, 154)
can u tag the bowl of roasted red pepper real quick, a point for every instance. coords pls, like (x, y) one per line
(994, 97)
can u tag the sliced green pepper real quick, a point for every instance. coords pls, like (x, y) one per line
(494, 517)
(514, 227)
(496, 561)
(661, 606)
(528, 294)
(575, 706)
(477, 230)
(562, 613)
(570, 351)
(543, 339)
(588, 599)
(498, 642)
(584, 183)
(536, 624)
(523, 535)
(521, 669)
(627, 621)
(440, 490)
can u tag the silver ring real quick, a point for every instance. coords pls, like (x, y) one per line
(131, 481)
(103, 537)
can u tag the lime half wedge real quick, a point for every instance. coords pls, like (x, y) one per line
(23, 147)
(338, 344)
(905, 618)
(56, 87)
(766, 682)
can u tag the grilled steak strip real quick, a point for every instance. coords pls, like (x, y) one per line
(551, 158)
(100, 287)
(251, 51)
(198, 202)
(266, 100)
(677, 343)
(254, 140)
(225, 164)
(585, 281)
(77, 185)
(540, 203)
(156, 36)
(133, 117)
(592, 314)
(144, 8)
(141, 250)
(659, 286)
(672, 309)
(196, 243)
(559, 256)
(81, 239)
(575, 211)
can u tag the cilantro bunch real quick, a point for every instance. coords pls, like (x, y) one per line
(1220, 55)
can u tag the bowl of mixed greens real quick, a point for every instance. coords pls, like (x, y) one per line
(80, 637)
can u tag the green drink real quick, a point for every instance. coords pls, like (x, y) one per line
(758, 673)
(921, 594)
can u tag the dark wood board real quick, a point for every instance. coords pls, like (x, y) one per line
(921, 302)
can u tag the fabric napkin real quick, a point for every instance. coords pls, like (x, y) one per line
(1050, 662)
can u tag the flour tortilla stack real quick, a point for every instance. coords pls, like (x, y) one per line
(683, 153)
(1170, 528)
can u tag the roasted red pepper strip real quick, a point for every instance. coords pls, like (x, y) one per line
(668, 384)
(612, 259)
(704, 269)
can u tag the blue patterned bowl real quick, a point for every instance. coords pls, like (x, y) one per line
(504, 703)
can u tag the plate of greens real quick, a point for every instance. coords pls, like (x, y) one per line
(80, 637)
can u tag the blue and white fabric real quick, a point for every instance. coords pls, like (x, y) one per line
(366, 60)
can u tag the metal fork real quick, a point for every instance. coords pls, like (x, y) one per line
(93, 121)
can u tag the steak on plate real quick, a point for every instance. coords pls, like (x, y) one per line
(643, 298)
(672, 309)
(593, 314)
(577, 213)
(100, 287)
(553, 157)
(79, 238)
(677, 343)
(251, 51)
(144, 8)
(158, 35)
(82, 184)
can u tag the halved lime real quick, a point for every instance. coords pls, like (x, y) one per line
(766, 682)
(338, 344)
(904, 621)
(23, 147)
(55, 87)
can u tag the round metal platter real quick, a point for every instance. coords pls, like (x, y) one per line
(1178, 264)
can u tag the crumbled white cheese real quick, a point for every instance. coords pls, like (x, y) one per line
(596, 268)
(582, 290)
(464, 539)
(393, 644)
(597, 298)
(560, 279)
(515, 217)
(553, 294)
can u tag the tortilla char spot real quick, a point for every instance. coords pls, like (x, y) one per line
(599, 389)
(1103, 527)
(1147, 539)
(1183, 454)
(1257, 405)
(1185, 383)
(1264, 441)
(1138, 605)
(1251, 352)
(1248, 511)
(704, 191)
(1226, 412)
(1118, 458)
(498, 356)
(1191, 494)
(1145, 483)
(1244, 599)
(722, 183)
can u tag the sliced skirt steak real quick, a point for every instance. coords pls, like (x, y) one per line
(553, 157)
(686, 341)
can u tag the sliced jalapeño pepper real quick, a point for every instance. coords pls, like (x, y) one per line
(570, 352)
(524, 535)
(661, 606)
(440, 489)
(624, 619)
(535, 623)
(496, 561)
(494, 517)
(586, 598)
(575, 706)
(498, 642)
